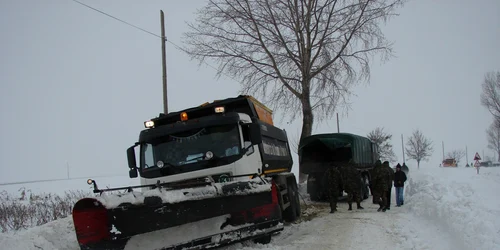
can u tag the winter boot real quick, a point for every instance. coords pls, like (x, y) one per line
(350, 207)
(384, 209)
(359, 206)
(381, 207)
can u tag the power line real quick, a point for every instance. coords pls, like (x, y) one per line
(118, 19)
(149, 32)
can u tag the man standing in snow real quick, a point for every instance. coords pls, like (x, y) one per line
(351, 178)
(380, 181)
(390, 178)
(334, 184)
(405, 168)
(399, 183)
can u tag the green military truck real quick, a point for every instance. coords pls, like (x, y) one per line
(318, 152)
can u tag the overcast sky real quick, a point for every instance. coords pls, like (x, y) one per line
(76, 85)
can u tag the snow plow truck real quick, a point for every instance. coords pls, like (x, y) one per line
(210, 175)
(318, 152)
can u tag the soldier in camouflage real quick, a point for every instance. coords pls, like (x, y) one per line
(390, 179)
(334, 184)
(351, 178)
(380, 187)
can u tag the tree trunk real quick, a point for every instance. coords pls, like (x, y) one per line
(498, 156)
(418, 164)
(307, 124)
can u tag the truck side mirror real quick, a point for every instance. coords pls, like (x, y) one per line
(132, 173)
(255, 134)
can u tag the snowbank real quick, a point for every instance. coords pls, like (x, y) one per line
(55, 235)
(460, 202)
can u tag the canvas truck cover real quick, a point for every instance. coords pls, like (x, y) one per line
(336, 147)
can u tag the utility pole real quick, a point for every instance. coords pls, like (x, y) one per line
(403, 148)
(164, 63)
(442, 143)
(466, 155)
(338, 129)
(67, 168)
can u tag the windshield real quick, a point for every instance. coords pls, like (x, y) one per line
(191, 146)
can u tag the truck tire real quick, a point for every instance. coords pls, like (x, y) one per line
(290, 213)
(314, 187)
(298, 209)
(263, 240)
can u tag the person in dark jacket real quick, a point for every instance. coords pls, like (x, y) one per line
(399, 183)
(390, 176)
(351, 180)
(380, 188)
(334, 184)
(405, 168)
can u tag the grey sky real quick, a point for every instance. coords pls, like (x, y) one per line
(76, 85)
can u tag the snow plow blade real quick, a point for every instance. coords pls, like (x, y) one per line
(192, 218)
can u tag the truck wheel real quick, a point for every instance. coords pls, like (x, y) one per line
(290, 213)
(297, 200)
(314, 188)
(263, 240)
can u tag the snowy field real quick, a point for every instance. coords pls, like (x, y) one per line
(445, 208)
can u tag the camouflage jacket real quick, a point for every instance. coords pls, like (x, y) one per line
(334, 180)
(390, 174)
(351, 178)
(380, 181)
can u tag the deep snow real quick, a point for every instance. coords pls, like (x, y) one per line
(445, 208)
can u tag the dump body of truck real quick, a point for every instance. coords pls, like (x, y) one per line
(318, 152)
(221, 168)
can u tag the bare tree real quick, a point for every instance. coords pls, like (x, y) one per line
(490, 98)
(296, 54)
(493, 136)
(294, 141)
(418, 147)
(456, 154)
(383, 141)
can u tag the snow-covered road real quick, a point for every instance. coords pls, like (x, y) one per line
(359, 229)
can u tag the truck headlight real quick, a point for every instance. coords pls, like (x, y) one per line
(149, 124)
(219, 110)
(209, 155)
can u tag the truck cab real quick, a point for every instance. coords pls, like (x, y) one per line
(219, 140)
